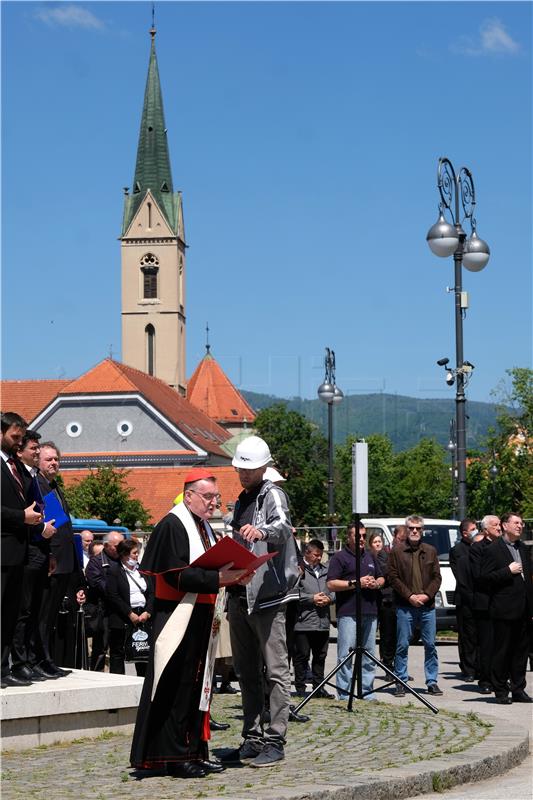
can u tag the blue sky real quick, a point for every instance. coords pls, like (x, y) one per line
(305, 138)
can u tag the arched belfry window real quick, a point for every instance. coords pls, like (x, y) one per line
(149, 269)
(150, 349)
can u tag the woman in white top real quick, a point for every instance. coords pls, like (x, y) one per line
(130, 597)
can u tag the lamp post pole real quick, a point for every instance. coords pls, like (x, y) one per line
(452, 447)
(457, 191)
(331, 486)
(330, 393)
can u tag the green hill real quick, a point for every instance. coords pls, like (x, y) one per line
(405, 420)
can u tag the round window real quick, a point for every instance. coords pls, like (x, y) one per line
(74, 429)
(124, 427)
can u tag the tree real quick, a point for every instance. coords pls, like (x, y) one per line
(103, 494)
(417, 480)
(422, 481)
(508, 452)
(380, 476)
(299, 452)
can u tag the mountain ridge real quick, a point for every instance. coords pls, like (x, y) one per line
(404, 419)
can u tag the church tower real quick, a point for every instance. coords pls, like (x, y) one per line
(153, 251)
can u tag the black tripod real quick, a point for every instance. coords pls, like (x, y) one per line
(359, 651)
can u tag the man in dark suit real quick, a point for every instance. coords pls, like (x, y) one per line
(491, 530)
(506, 568)
(17, 514)
(464, 598)
(27, 650)
(66, 576)
(96, 572)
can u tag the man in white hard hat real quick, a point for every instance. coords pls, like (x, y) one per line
(256, 613)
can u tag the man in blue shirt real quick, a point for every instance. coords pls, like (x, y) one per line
(342, 581)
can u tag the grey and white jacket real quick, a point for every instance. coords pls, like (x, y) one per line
(311, 617)
(275, 582)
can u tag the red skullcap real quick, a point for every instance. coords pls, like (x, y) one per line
(198, 474)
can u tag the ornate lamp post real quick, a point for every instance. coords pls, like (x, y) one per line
(330, 393)
(445, 239)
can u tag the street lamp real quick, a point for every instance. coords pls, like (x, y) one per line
(330, 393)
(452, 447)
(444, 239)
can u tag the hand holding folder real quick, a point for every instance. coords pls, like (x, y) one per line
(226, 551)
(53, 510)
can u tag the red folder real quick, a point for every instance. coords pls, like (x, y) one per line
(226, 550)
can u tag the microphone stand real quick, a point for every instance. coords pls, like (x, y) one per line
(356, 687)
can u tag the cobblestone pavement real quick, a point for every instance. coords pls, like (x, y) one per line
(375, 733)
(377, 751)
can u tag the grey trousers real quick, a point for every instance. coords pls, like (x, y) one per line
(257, 639)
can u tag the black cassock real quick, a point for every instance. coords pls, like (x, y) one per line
(171, 728)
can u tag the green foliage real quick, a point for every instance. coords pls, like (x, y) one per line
(422, 481)
(300, 454)
(380, 476)
(405, 420)
(515, 402)
(509, 449)
(413, 480)
(104, 494)
(416, 480)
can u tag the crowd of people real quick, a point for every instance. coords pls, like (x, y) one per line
(54, 594)
(40, 566)
(278, 613)
(494, 601)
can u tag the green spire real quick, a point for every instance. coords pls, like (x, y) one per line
(152, 170)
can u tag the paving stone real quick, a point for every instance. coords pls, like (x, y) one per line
(380, 750)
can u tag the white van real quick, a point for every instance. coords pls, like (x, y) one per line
(442, 534)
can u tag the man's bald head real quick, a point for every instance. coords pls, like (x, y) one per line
(111, 540)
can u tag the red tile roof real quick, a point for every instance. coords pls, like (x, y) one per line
(107, 376)
(112, 377)
(210, 390)
(157, 487)
(27, 398)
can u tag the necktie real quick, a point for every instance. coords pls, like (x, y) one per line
(16, 476)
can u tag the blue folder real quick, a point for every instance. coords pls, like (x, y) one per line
(54, 510)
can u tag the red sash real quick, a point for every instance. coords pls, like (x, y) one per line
(165, 591)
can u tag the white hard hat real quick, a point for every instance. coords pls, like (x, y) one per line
(273, 475)
(251, 453)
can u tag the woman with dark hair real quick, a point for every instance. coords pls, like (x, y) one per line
(130, 599)
(386, 608)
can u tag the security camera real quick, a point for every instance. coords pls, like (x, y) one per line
(443, 361)
(450, 378)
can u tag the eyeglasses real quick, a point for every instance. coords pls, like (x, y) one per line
(208, 496)
(415, 528)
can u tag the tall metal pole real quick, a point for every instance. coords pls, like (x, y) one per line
(457, 191)
(331, 488)
(330, 393)
(460, 398)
